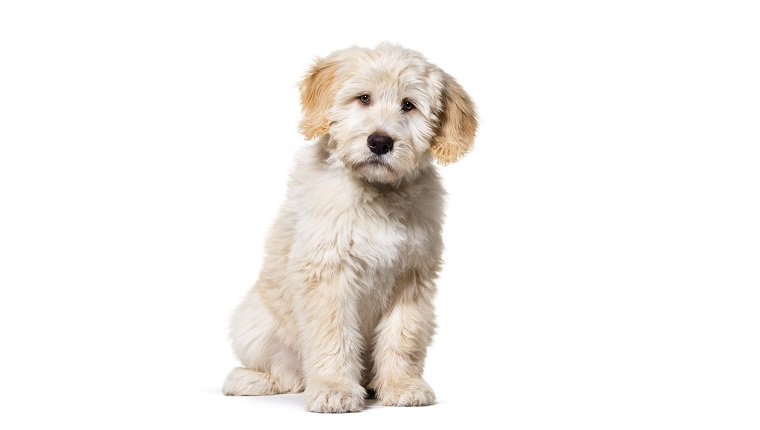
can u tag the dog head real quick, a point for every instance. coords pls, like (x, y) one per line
(384, 113)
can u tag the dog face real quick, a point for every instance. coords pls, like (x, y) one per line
(386, 112)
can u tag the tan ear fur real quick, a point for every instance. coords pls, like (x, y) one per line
(458, 123)
(317, 93)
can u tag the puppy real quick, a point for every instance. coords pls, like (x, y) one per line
(344, 300)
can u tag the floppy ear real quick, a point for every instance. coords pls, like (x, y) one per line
(458, 122)
(318, 90)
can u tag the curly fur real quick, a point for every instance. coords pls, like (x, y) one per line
(344, 300)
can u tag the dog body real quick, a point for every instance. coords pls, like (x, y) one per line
(344, 300)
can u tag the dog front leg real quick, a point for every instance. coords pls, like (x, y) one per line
(401, 340)
(332, 344)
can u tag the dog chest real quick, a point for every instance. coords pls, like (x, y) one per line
(378, 238)
(344, 223)
(378, 234)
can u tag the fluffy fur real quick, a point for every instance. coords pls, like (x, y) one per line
(344, 300)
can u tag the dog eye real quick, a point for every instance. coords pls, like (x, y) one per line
(364, 98)
(407, 106)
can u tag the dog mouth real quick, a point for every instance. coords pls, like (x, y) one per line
(374, 162)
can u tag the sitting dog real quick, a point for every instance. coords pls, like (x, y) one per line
(344, 300)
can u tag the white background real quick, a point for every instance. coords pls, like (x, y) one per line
(603, 243)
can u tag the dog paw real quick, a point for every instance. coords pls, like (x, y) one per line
(247, 382)
(335, 399)
(415, 392)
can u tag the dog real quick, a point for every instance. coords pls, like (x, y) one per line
(344, 300)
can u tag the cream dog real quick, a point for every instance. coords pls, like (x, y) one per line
(344, 301)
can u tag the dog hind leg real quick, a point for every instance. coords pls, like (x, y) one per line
(269, 366)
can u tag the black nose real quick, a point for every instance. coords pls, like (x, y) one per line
(379, 143)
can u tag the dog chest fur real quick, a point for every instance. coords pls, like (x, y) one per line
(372, 229)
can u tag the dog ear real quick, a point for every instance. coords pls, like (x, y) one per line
(458, 122)
(318, 90)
